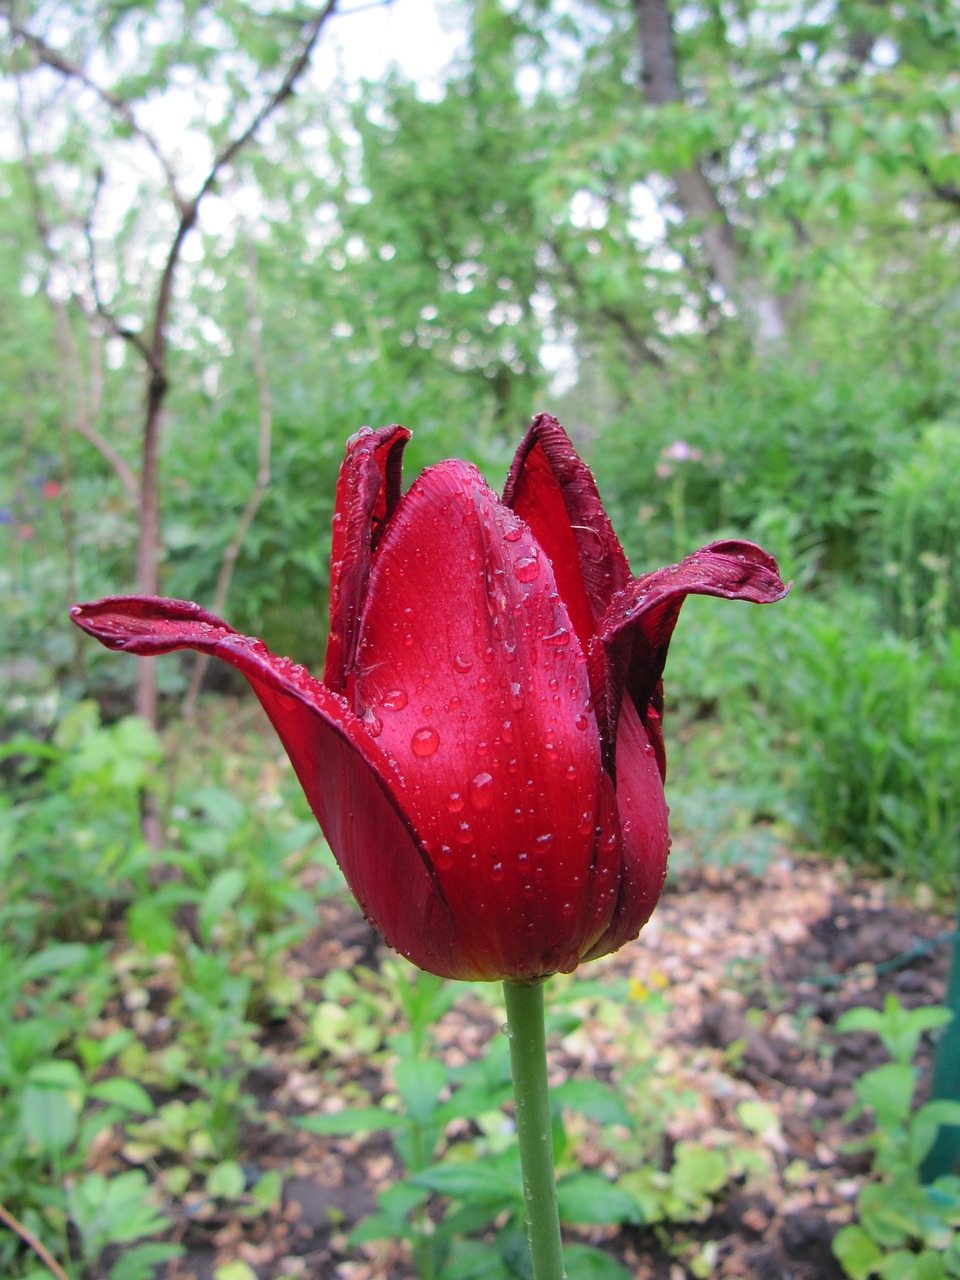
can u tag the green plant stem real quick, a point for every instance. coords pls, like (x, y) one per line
(944, 1156)
(528, 1061)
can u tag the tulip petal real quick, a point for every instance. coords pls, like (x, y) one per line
(368, 490)
(553, 490)
(645, 843)
(636, 630)
(350, 784)
(470, 673)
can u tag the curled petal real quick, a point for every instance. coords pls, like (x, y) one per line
(349, 782)
(473, 678)
(635, 632)
(368, 491)
(553, 490)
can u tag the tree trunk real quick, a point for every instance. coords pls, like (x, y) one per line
(695, 193)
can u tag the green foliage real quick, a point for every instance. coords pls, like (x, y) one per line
(905, 1228)
(80, 914)
(476, 1225)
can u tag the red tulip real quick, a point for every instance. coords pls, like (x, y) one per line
(484, 752)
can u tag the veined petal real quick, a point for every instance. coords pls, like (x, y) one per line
(349, 782)
(368, 490)
(643, 824)
(552, 489)
(635, 632)
(472, 676)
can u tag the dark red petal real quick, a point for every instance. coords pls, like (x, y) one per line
(368, 491)
(351, 786)
(471, 674)
(636, 630)
(643, 822)
(552, 489)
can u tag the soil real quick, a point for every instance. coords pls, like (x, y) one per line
(744, 979)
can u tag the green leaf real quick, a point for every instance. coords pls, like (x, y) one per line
(856, 1252)
(234, 1271)
(352, 1120)
(588, 1199)
(593, 1099)
(888, 1091)
(226, 1180)
(49, 1117)
(222, 892)
(125, 1093)
(459, 1180)
(698, 1172)
(587, 1263)
(141, 1262)
(419, 1083)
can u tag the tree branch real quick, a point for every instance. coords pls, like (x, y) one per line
(31, 1241)
(81, 420)
(121, 330)
(57, 62)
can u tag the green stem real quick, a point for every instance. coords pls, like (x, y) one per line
(528, 1060)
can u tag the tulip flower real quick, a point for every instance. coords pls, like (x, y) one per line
(484, 751)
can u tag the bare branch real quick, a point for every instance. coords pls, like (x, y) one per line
(119, 106)
(31, 1241)
(121, 330)
(312, 31)
(82, 417)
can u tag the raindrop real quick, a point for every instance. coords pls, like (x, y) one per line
(455, 802)
(444, 858)
(526, 570)
(545, 841)
(496, 872)
(507, 731)
(462, 664)
(372, 723)
(482, 791)
(558, 639)
(516, 697)
(513, 535)
(582, 723)
(465, 833)
(425, 742)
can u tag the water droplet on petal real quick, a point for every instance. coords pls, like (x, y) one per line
(482, 791)
(372, 723)
(462, 664)
(465, 833)
(582, 723)
(496, 872)
(516, 697)
(443, 860)
(425, 742)
(513, 535)
(526, 570)
(558, 639)
(455, 802)
(395, 700)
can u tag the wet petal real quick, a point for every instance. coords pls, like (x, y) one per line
(635, 632)
(368, 490)
(471, 674)
(553, 490)
(645, 843)
(349, 782)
